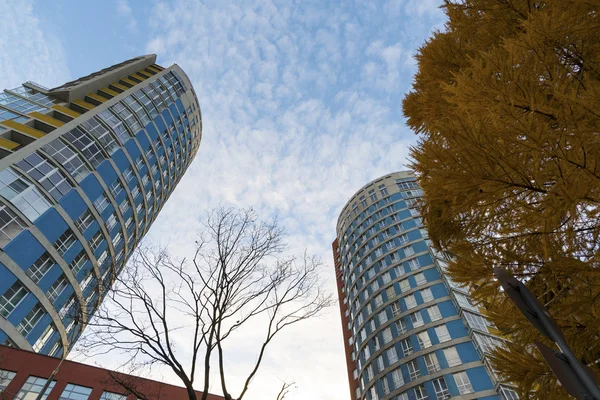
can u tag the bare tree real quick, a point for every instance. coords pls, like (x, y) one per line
(239, 274)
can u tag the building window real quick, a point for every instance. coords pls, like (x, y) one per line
(78, 262)
(431, 362)
(441, 389)
(106, 140)
(380, 364)
(373, 392)
(413, 369)
(135, 192)
(66, 308)
(408, 251)
(508, 394)
(23, 195)
(50, 177)
(413, 264)
(397, 378)
(407, 348)
(86, 145)
(399, 269)
(465, 302)
(366, 353)
(102, 257)
(375, 286)
(382, 317)
(75, 392)
(452, 357)
(442, 333)
(378, 299)
(128, 174)
(426, 295)
(111, 222)
(40, 267)
(32, 387)
(372, 195)
(383, 190)
(390, 292)
(363, 202)
(116, 188)
(434, 313)
(41, 342)
(124, 206)
(5, 378)
(392, 355)
(11, 298)
(385, 385)
(387, 335)
(477, 322)
(145, 179)
(420, 279)
(96, 241)
(84, 221)
(486, 343)
(10, 225)
(401, 326)
(56, 289)
(395, 309)
(64, 242)
(410, 301)
(138, 109)
(87, 280)
(101, 203)
(404, 285)
(127, 117)
(69, 159)
(386, 277)
(117, 239)
(463, 383)
(30, 320)
(424, 340)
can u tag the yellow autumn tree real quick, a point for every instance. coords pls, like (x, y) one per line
(506, 101)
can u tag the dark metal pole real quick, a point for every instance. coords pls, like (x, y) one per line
(571, 373)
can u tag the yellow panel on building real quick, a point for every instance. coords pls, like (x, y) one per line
(47, 119)
(24, 129)
(97, 97)
(106, 92)
(84, 104)
(8, 144)
(129, 81)
(66, 111)
(144, 74)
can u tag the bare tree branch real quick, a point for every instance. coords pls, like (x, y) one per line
(165, 311)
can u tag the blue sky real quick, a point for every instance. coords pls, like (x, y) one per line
(301, 105)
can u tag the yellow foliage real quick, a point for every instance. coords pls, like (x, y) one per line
(507, 104)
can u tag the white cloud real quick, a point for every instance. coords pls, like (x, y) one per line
(125, 12)
(301, 108)
(27, 52)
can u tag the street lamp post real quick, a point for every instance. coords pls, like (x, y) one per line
(571, 373)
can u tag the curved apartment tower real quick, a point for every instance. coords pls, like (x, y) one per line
(84, 170)
(410, 333)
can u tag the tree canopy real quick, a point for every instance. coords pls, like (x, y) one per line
(506, 101)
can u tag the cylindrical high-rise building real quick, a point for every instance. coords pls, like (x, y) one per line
(84, 170)
(410, 333)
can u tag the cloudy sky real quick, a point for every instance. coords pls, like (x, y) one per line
(301, 106)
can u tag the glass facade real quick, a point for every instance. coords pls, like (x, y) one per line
(411, 333)
(75, 202)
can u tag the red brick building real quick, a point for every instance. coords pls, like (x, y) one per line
(350, 364)
(23, 374)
